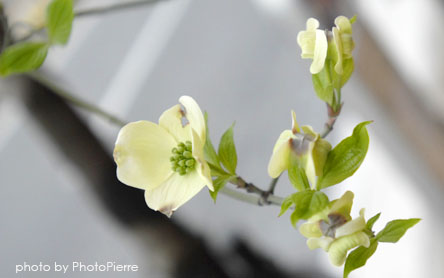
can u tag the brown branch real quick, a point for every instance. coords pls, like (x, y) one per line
(264, 197)
(332, 116)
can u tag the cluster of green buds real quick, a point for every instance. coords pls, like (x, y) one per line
(182, 160)
(331, 52)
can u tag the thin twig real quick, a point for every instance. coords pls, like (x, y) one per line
(236, 194)
(263, 197)
(273, 185)
(332, 116)
(328, 127)
(250, 198)
(249, 187)
(70, 98)
(85, 12)
(115, 7)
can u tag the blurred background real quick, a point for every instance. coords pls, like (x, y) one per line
(59, 198)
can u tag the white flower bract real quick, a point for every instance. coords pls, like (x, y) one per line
(144, 153)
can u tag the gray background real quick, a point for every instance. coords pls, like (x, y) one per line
(240, 61)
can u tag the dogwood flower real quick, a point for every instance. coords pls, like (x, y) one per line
(313, 43)
(166, 159)
(306, 147)
(334, 230)
(342, 36)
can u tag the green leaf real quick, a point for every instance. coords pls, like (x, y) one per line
(59, 17)
(395, 229)
(298, 178)
(218, 184)
(23, 57)
(317, 203)
(345, 158)
(227, 151)
(217, 171)
(358, 257)
(307, 203)
(209, 151)
(322, 84)
(372, 221)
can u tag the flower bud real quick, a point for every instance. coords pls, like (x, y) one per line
(342, 35)
(313, 43)
(305, 148)
(335, 231)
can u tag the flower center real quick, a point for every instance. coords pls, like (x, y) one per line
(301, 143)
(182, 160)
(336, 220)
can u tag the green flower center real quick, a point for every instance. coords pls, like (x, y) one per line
(182, 160)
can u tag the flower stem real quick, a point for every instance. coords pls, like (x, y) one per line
(114, 7)
(328, 127)
(273, 185)
(264, 197)
(235, 194)
(251, 199)
(70, 98)
(332, 116)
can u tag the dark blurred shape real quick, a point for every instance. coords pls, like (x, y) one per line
(3, 29)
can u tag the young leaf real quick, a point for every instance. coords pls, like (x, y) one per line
(209, 152)
(23, 57)
(286, 204)
(307, 203)
(353, 19)
(227, 151)
(317, 203)
(372, 221)
(395, 229)
(345, 158)
(340, 80)
(217, 171)
(348, 68)
(59, 17)
(218, 184)
(298, 177)
(323, 86)
(301, 200)
(358, 257)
